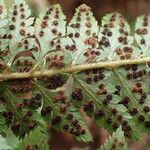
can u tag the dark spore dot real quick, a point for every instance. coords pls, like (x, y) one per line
(56, 120)
(115, 125)
(109, 97)
(141, 118)
(69, 116)
(146, 109)
(109, 120)
(66, 127)
(77, 94)
(142, 41)
(89, 80)
(147, 123)
(11, 27)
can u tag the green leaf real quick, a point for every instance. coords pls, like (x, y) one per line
(54, 72)
(21, 30)
(83, 30)
(116, 141)
(3, 28)
(37, 139)
(58, 101)
(3, 144)
(50, 25)
(115, 39)
(142, 33)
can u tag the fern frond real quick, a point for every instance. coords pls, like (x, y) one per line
(37, 139)
(3, 30)
(116, 141)
(142, 33)
(83, 31)
(63, 70)
(21, 30)
(3, 144)
(50, 27)
(59, 111)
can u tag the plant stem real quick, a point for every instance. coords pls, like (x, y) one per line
(75, 68)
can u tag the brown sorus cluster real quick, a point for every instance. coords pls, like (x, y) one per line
(142, 99)
(24, 63)
(107, 99)
(56, 61)
(36, 101)
(102, 90)
(46, 110)
(115, 125)
(84, 8)
(107, 33)
(54, 82)
(32, 124)
(77, 94)
(64, 107)
(133, 72)
(94, 75)
(92, 41)
(99, 113)
(125, 101)
(125, 52)
(74, 127)
(66, 127)
(147, 123)
(21, 85)
(8, 116)
(3, 54)
(89, 107)
(70, 116)
(18, 11)
(104, 42)
(77, 129)
(133, 111)
(142, 31)
(91, 54)
(57, 120)
(16, 126)
(118, 90)
(146, 109)
(114, 111)
(20, 106)
(60, 97)
(71, 47)
(138, 88)
(45, 22)
(127, 130)
(141, 118)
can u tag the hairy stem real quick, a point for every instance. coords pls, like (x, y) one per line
(76, 68)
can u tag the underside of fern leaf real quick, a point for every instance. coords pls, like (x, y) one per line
(52, 72)
(116, 141)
